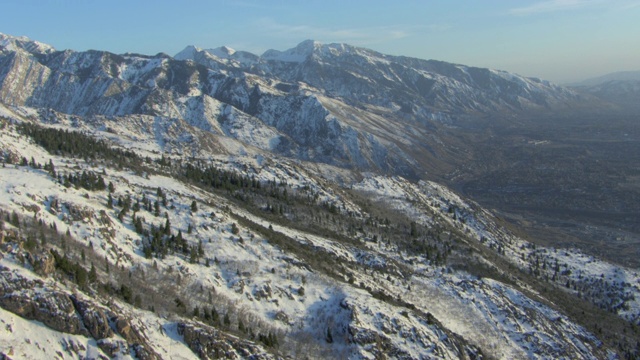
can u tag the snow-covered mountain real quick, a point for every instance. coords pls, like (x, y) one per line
(360, 288)
(619, 88)
(336, 103)
(213, 206)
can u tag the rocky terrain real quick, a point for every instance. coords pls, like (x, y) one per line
(222, 204)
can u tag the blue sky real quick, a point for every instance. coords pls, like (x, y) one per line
(558, 40)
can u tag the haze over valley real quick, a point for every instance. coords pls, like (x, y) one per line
(323, 201)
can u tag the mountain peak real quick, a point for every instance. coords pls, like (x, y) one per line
(187, 53)
(223, 52)
(297, 54)
(14, 43)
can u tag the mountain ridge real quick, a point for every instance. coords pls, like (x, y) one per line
(274, 209)
(615, 76)
(332, 118)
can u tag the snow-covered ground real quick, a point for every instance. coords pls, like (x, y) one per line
(252, 276)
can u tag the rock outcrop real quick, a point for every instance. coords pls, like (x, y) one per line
(209, 343)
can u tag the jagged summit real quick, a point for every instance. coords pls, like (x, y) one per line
(221, 52)
(306, 102)
(12, 43)
(218, 57)
(187, 53)
(297, 54)
(307, 48)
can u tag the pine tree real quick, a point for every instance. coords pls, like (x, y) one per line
(167, 227)
(15, 221)
(93, 275)
(81, 276)
(52, 168)
(138, 225)
(200, 249)
(215, 318)
(194, 206)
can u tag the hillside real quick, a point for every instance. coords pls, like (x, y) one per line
(153, 207)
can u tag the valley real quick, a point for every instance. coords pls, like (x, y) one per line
(571, 181)
(322, 202)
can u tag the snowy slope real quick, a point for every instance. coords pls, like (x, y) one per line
(299, 252)
(252, 278)
(330, 103)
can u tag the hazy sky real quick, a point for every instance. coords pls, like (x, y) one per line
(558, 40)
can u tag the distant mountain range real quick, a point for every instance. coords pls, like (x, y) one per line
(282, 206)
(331, 103)
(621, 88)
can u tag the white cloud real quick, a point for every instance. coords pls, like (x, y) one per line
(356, 36)
(630, 5)
(555, 5)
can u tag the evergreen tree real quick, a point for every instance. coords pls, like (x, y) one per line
(329, 337)
(200, 249)
(15, 221)
(138, 225)
(167, 226)
(215, 318)
(414, 230)
(81, 276)
(93, 275)
(52, 169)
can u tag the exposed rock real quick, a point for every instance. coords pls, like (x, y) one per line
(32, 208)
(111, 346)
(135, 338)
(282, 316)
(78, 213)
(94, 319)
(54, 309)
(127, 332)
(70, 314)
(104, 219)
(238, 287)
(263, 292)
(209, 343)
(43, 264)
